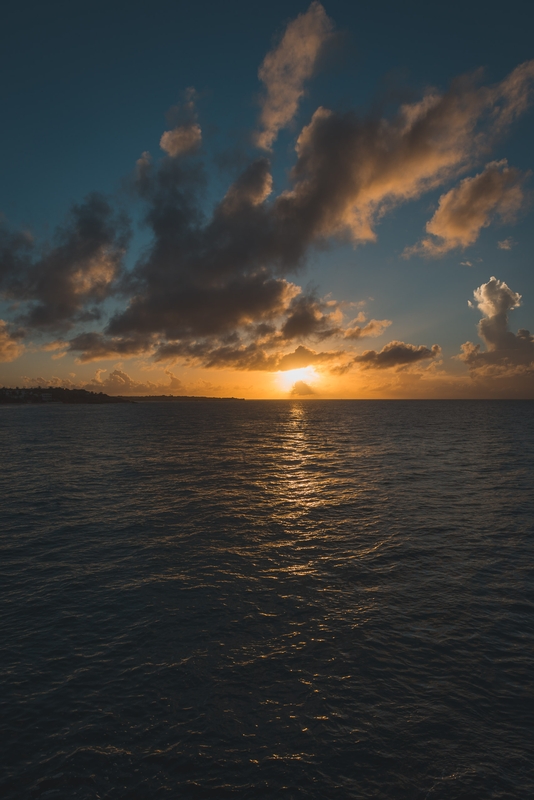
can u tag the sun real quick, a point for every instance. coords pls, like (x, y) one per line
(287, 378)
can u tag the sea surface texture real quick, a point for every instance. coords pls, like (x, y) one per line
(322, 600)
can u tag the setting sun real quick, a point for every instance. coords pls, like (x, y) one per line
(288, 378)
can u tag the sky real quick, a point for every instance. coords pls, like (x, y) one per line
(290, 200)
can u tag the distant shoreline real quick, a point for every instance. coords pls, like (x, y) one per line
(53, 394)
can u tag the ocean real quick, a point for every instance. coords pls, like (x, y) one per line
(267, 599)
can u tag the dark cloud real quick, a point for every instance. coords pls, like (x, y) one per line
(506, 352)
(373, 328)
(15, 258)
(203, 280)
(217, 290)
(95, 346)
(350, 170)
(66, 282)
(302, 389)
(245, 357)
(396, 354)
(308, 316)
(10, 342)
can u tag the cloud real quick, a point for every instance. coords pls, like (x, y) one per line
(506, 244)
(202, 281)
(375, 327)
(181, 140)
(396, 354)
(10, 345)
(351, 171)
(252, 187)
(64, 284)
(304, 357)
(118, 382)
(250, 357)
(467, 208)
(215, 284)
(286, 69)
(302, 389)
(309, 316)
(506, 352)
(185, 136)
(95, 346)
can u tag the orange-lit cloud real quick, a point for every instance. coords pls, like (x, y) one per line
(350, 171)
(66, 283)
(213, 287)
(182, 139)
(10, 342)
(286, 69)
(252, 187)
(465, 210)
(373, 328)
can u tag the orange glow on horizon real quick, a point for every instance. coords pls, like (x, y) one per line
(286, 379)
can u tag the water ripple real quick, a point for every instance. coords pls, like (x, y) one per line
(267, 599)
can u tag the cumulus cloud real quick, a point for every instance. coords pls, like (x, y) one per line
(117, 382)
(302, 389)
(308, 316)
(10, 344)
(286, 69)
(203, 281)
(396, 354)
(467, 208)
(506, 352)
(217, 288)
(65, 283)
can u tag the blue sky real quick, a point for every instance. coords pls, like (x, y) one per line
(86, 92)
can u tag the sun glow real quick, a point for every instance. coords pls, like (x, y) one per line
(287, 379)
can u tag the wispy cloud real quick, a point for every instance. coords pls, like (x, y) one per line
(186, 136)
(506, 244)
(396, 354)
(286, 69)
(373, 328)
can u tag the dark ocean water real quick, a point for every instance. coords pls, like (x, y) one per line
(320, 600)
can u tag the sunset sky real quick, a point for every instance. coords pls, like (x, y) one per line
(268, 200)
